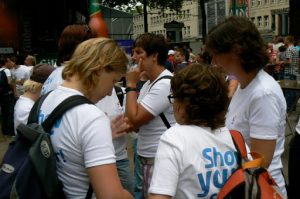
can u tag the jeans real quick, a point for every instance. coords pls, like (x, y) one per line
(138, 178)
(125, 174)
(7, 103)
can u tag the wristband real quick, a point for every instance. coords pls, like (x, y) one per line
(128, 89)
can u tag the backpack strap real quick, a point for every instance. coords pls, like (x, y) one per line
(240, 146)
(239, 143)
(33, 115)
(162, 115)
(163, 77)
(64, 106)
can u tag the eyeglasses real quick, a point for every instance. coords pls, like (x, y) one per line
(171, 98)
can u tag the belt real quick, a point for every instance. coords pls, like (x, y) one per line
(146, 161)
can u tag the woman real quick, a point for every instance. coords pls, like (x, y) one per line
(199, 150)
(82, 139)
(143, 111)
(32, 91)
(257, 108)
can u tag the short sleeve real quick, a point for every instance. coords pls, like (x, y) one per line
(166, 168)
(265, 117)
(7, 72)
(97, 143)
(156, 100)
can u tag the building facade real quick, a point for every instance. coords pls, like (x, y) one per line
(190, 16)
(270, 17)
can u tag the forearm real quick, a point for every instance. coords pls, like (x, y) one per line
(131, 106)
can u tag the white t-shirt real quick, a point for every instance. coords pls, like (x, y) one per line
(7, 72)
(53, 81)
(22, 110)
(155, 102)
(193, 162)
(81, 139)
(258, 111)
(21, 73)
(110, 105)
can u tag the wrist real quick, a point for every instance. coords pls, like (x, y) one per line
(129, 89)
(131, 85)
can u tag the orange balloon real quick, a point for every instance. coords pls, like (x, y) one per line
(98, 24)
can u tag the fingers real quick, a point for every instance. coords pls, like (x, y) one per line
(119, 126)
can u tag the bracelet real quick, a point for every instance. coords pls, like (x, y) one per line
(128, 89)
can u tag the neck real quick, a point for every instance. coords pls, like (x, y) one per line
(246, 78)
(157, 70)
(32, 96)
(16, 66)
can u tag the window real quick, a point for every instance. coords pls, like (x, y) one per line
(273, 1)
(184, 14)
(252, 3)
(267, 1)
(266, 21)
(259, 21)
(253, 20)
(188, 13)
(188, 30)
(258, 2)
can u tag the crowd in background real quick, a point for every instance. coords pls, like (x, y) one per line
(179, 106)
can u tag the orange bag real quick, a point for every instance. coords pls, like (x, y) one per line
(250, 180)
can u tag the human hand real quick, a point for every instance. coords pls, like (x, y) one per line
(133, 75)
(119, 126)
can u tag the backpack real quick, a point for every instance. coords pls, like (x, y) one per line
(28, 169)
(4, 86)
(250, 180)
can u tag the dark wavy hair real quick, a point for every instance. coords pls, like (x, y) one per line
(71, 36)
(204, 92)
(152, 44)
(239, 35)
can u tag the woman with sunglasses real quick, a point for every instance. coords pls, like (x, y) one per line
(196, 157)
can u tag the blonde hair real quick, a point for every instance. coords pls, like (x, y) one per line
(32, 59)
(32, 86)
(92, 56)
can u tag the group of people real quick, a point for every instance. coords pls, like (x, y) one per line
(13, 76)
(182, 119)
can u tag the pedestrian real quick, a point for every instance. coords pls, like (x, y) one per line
(146, 111)
(82, 139)
(196, 157)
(258, 107)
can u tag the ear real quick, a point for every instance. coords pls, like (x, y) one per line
(154, 57)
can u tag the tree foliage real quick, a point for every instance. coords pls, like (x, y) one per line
(162, 4)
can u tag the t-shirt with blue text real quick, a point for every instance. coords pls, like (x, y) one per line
(81, 139)
(193, 162)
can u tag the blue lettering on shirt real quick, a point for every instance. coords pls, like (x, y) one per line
(217, 171)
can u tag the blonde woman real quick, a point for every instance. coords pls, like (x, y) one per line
(32, 91)
(82, 139)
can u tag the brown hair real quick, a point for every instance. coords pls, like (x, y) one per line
(204, 92)
(71, 36)
(92, 56)
(239, 35)
(152, 44)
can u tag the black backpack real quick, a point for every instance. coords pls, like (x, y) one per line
(28, 169)
(4, 86)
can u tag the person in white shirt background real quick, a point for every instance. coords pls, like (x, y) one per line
(200, 147)
(258, 107)
(32, 91)
(20, 74)
(83, 137)
(71, 36)
(143, 111)
(30, 62)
